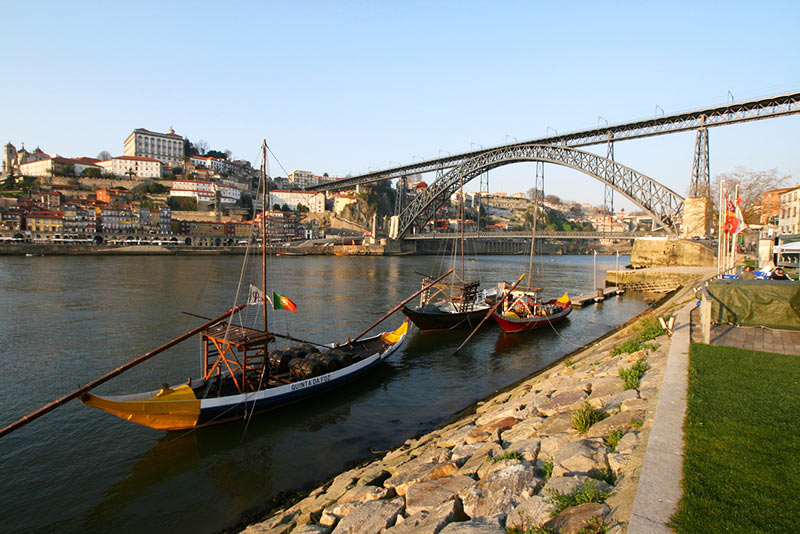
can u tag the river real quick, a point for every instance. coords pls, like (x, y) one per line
(69, 319)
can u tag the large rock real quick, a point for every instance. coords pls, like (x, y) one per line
(605, 386)
(561, 402)
(480, 525)
(465, 451)
(420, 473)
(331, 515)
(364, 494)
(620, 422)
(559, 423)
(528, 448)
(485, 432)
(430, 521)
(582, 457)
(532, 513)
(518, 409)
(426, 496)
(550, 444)
(523, 430)
(502, 491)
(456, 436)
(490, 466)
(568, 485)
(478, 458)
(278, 524)
(371, 517)
(311, 529)
(573, 519)
(618, 399)
(627, 443)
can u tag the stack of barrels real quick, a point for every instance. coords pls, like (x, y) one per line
(306, 361)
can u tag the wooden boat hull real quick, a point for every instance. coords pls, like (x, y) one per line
(178, 408)
(438, 321)
(523, 324)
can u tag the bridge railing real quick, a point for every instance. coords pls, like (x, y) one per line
(527, 235)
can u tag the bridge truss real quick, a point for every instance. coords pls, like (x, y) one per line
(752, 110)
(663, 204)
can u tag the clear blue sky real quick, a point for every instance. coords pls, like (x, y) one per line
(345, 87)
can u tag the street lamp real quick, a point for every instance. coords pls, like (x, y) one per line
(512, 137)
(414, 157)
(547, 130)
(445, 151)
(471, 144)
(599, 118)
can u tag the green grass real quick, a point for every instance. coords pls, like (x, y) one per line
(742, 434)
(588, 492)
(633, 375)
(546, 470)
(649, 328)
(612, 439)
(585, 416)
(515, 455)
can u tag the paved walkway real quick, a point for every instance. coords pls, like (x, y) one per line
(750, 337)
(659, 488)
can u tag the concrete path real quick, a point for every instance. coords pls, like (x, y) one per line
(659, 488)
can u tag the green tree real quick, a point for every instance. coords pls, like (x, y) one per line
(92, 172)
(182, 203)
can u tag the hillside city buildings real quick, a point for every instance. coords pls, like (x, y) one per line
(189, 195)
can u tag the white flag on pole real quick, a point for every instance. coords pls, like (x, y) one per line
(256, 296)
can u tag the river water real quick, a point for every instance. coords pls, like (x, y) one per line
(69, 319)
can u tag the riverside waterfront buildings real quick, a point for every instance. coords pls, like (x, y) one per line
(789, 217)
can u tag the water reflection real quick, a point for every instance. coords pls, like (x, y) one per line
(92, 314)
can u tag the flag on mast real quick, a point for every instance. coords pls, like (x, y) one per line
(731, 222)
(256, 297)
(279, 302)
(739, 216)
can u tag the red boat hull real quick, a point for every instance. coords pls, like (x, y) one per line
(524, 324)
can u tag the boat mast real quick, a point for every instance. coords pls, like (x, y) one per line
(264, 199)
(533, 235)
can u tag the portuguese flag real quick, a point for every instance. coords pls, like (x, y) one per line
(279, 302)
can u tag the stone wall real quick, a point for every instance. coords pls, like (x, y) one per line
(660, 252)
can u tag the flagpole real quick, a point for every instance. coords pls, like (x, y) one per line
(720, 229)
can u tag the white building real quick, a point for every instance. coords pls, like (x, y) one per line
(301, 179)
(56, 165)
(315, 202)
(134, 166)
(166, 148)
(789, 217)
(205, 191)
(217, 164)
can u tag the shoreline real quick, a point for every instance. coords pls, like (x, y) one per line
(271, 517)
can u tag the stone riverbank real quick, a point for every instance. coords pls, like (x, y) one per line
(504, 465)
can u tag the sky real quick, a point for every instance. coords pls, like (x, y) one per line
(350, 87)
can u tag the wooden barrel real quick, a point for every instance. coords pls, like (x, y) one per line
(308, 348)
(279, 361)
(330, 362)
(345, 357)
(303, 368)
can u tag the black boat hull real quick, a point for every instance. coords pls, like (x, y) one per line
(437, 321)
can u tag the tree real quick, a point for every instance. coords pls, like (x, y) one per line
(201, 147)
(104, 155)
(553, 199)
(302, 208)
(752, 186)
(533, 192)
(217, 154)
(182, 203)
(92, 172)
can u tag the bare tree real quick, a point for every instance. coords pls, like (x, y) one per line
(201, 146)
(105, 155)
(752, 186)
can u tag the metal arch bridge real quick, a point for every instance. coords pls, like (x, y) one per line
(751, 110)
(663, 204)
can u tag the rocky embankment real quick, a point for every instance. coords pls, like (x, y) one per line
(530, 459)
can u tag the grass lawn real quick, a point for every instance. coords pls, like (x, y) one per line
(741, 470)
